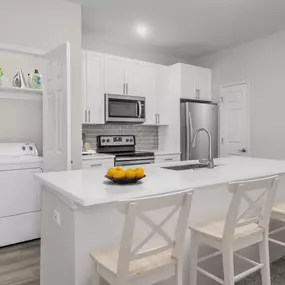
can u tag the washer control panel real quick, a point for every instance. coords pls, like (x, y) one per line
(116, 140)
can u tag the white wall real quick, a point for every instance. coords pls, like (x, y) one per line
(262, 63)
(43, 25)
(100, 44)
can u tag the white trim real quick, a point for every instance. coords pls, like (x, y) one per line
(20, 93)
(248, 122)
(22, 50)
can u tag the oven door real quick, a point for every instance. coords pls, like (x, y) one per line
(124, 108)
(124, 161)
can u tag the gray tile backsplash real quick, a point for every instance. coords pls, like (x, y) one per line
(146, 136)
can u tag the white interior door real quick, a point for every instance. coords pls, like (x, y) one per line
(233, 121)
(57, 111)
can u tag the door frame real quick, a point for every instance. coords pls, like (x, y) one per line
(248, 121)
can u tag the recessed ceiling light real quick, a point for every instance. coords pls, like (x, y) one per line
(142, 30)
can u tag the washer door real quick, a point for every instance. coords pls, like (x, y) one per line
(19, 192)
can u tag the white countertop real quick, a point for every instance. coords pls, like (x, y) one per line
(90, 187)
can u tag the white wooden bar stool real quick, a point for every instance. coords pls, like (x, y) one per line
(278, 213)
(246, 223)
(148, 260)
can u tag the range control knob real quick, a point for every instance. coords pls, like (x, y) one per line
(30, 148)
(103, 141)
(23, 148)
(131, 140)
(108, 140)
(127, 140)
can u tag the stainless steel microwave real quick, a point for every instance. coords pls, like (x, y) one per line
(124, 109)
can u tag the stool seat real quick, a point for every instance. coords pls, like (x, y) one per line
(215, 229)
(109, 259)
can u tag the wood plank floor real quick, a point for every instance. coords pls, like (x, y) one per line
(20, 264)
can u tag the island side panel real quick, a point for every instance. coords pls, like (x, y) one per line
(95, 228)
(57, 244)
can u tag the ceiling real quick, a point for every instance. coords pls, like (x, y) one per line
(182, 28)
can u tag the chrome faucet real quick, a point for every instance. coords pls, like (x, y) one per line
(210, 160)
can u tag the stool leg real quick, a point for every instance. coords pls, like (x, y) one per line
(264, 258)
(228, 265)
(193, 258)
(179, 273)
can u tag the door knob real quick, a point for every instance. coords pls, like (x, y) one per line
(242, 150)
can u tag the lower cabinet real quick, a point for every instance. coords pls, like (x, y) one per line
(167, 158)
(96, 163)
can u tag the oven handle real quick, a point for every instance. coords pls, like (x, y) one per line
(119, 163)
(140, 108)
(135, 158)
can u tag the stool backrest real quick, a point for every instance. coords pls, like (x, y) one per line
(136, 210)
(251, 203)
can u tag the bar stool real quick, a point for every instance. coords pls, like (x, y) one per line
(146, 262)
(246, 223)
(278, 213)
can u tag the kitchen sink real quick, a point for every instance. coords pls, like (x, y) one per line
(186, 167)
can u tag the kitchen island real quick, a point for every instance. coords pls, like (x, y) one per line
(79, 210)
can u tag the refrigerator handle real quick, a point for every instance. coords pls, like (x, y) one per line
(188, 135)
(191, 133)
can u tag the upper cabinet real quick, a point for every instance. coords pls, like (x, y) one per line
(194, 82)
(93, 87)
(203, 83)
(123, 76)
(162, 85)
(115, 75)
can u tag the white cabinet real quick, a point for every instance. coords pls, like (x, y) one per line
(163, 108)
(93, 87)
(123, 76)
(149, 90)
(203, 83)
(97, 163)
(167, 158)
(115, 75)
(193, 82)
(187, 81)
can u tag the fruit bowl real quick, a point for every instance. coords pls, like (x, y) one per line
(125, 180)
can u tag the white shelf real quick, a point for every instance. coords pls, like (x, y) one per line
(20, 93)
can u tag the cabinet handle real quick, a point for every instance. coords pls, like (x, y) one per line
(124, 88)
(158, 118)
(96, 165)
(168, 159)
(85, 116)
(155, 118)
(127, 88)
(89, 116)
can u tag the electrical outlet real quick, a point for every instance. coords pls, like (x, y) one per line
(56, 216)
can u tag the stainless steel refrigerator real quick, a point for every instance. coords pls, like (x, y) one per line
(195, 115)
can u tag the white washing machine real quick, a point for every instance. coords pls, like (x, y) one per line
(20, 195)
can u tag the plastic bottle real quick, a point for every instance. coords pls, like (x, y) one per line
(30, 81)
(37, 80)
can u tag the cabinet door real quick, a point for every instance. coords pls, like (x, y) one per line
(84, 86)
(149, 75)
(187, 81)
(163, 93)
(95, 88)
(114, 75)
(134, 78)
(203, 83)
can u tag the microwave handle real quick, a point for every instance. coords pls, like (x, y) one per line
(140, 109)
